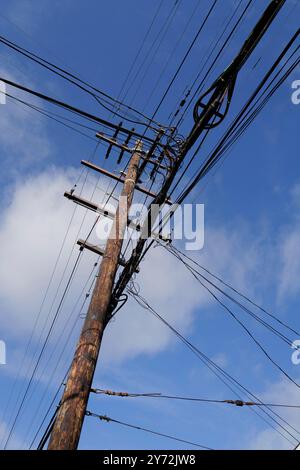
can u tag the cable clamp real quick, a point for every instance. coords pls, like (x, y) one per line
(105, 418)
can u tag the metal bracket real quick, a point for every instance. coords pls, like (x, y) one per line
(96, 249)
(101, 210)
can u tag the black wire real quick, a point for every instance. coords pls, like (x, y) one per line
(189, 188)
(122, 302)
(48, 287)
(243, 127)
(239, 304)
(274, 317)
(219, 150)
(192, 157)
(158, 38)
(140, 49)
(47, 412)
(99, 391)
(47, 431)
(75, 110)
(239, 321)
(186, 55)
(246, 122)
(52, 116)
(55, 116)
(221, 50)
(20, 407)
(64, 348)
(97, 218)
(24, 397)
(66, 342)
(187, 91)
(217, 56)
(220, 147)
(219, 372)
(139, 428)
(178, 42)
(71, 78)
(51, 278)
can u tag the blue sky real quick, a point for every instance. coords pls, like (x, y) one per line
(252, 229)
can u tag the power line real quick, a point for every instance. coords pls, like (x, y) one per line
(171, 55)
(52, 116)
(226, 284)
(139, 428)
(140, 49)
(57, 312)
(228, 380)
(159, 40)
(20, 407)
(83, 85)
(66, 341)
(48, 430)
(200, 125)
(77, 111)
(238, 403)
(194, 272)
(47, 291)
(226, 42)
(223, 145)
(234, 300)
(222, 86)
(186, 55)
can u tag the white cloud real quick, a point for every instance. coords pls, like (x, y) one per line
(171, 289)
(32, 228)
(15, 441)
(31, 231)
(283, 392)
(269, 439)
(164, 284)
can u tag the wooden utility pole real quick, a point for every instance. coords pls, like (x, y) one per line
(67, 427)
(66, 431)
